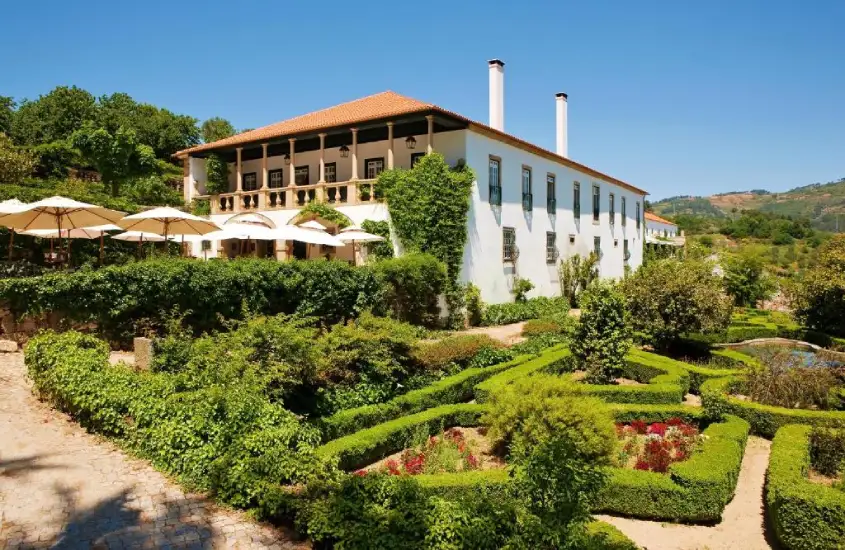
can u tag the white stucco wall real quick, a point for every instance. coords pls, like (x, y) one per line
(483, 263)
(656, 229)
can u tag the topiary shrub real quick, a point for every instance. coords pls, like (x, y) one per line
(602, 336)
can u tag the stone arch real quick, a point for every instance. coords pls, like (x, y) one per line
(251, 217)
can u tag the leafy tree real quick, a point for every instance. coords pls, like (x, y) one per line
(819, 298)
(54, 158)
(7, 112)
(15, 163)
(746, 281)
(158, 128)
(216, 128)
(217, 175)
(669, 298)
(53, 117)
(603, 335)
(575, 274)
(117, 157)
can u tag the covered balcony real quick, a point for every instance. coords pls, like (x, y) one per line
(336, 167)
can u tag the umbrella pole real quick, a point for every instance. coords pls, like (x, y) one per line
(354, 256)
(11, 242)
(182, 252)
(166, 247)
(101, 247)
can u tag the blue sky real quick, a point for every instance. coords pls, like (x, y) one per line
(675, 97)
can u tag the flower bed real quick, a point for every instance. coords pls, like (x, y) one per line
(654, 447)
(456, 450)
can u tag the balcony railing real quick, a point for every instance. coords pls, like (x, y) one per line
(528, 202)
(295, 196)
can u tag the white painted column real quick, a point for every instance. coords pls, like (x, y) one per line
(354, 153)
(240, 175)
(264, 172)
(430, 146)
(322, 158)
(389, 145)
(292, 171)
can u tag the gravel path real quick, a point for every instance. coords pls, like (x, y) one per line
(506, 334)
(62, 487)
(742, 526)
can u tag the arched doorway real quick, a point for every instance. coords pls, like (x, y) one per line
(234, 248)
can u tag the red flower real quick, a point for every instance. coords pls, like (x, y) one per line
(641, 464)
(360, 473)
(675, 421)
(472, 461)
(393, 467)
(658, 428)
(640, 426)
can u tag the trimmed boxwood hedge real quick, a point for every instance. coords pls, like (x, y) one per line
(804, 515)
(695, 490)
(765, 420)
(551, 361)
(697, 374)
(372, 444)
(457, 388)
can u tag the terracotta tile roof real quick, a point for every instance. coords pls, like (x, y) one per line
(374, 107)
(380, 106)
(655, 218)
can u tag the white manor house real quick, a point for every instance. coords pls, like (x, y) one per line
(530, 207)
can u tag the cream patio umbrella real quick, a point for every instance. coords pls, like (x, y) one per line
(167, 221)
(59, 213)
(354, 234)
(90, 233)
(11, 206)
(139, 237)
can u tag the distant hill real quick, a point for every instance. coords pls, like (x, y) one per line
(820, 202)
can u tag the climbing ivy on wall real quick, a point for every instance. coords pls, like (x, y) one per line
(320, 210)
(217, 175)
(379, 250)
(428, 206)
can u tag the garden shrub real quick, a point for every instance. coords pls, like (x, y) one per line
(118, 297)
(521, 287)
(765, 420)
(413, 284)
(457, 388)
(227, 439)
(819, 299)
(554, 359)
(827, 450)
(602, 337)
(456, 350)
(474, 305)
(535, 327)
(804, 515)
(781, 382)
(669, 298)
(575, 275)
(533, 410)
(514, 312)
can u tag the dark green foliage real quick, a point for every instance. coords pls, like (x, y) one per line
(764, 225)
(602, 336)
(669, 298)
(474, 305)
(576, 274)
(15, 163)
(217, 175)
(746, 281)
(118, 297)
(117, 156)
(428, 207)
(316, 209)
(382, 250)
(820, 297)
(827, 450)
(521, 287)
(216, 128)
(804, 515)
(54, 116)
(414, 283)
(225, 439)
(534, 308)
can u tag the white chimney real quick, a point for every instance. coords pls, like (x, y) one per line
(497, 94)
(562, 147)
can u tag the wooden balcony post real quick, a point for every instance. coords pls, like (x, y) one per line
(321, 189)
(240, 175)
(389, 145)
(430, 146)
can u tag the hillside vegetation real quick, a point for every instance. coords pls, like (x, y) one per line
(820, 203)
